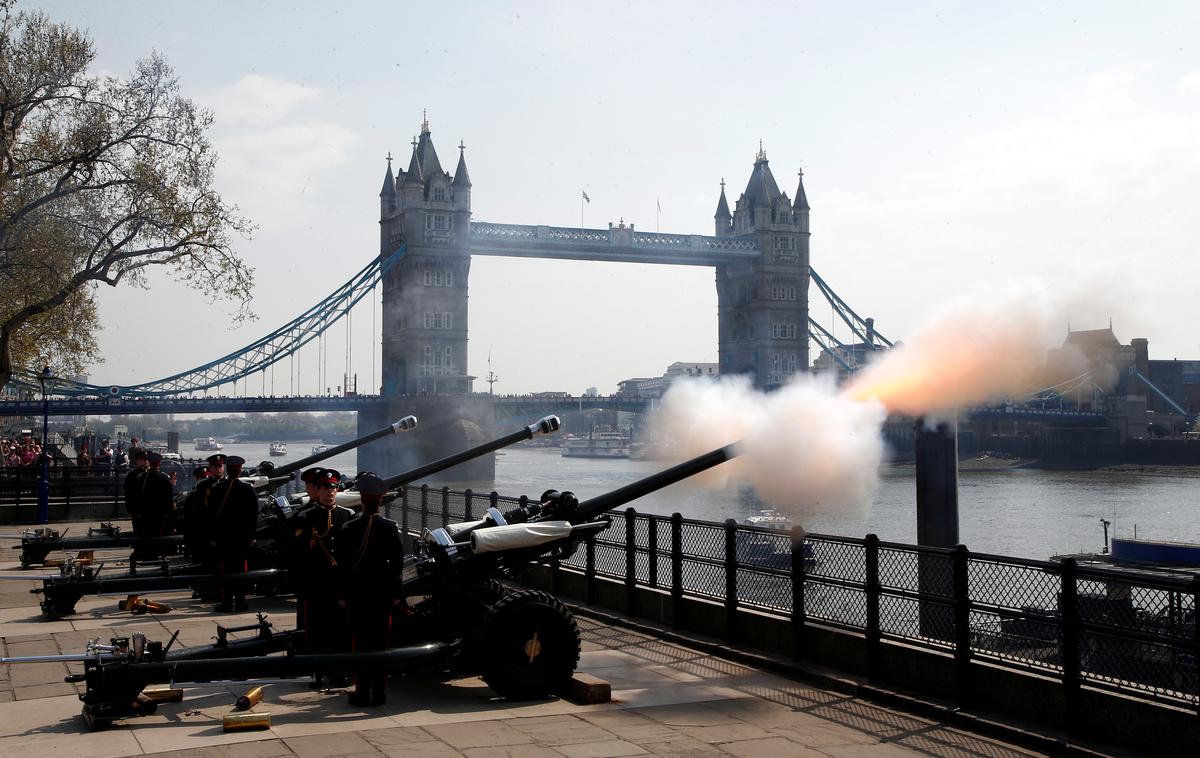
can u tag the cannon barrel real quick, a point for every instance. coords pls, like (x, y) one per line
(541, 426)
(209, 669)
(589, 509)
(106, 543)
(121, 585)
(403, 425)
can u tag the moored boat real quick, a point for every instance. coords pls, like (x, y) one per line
(597, 445)
(207, 443)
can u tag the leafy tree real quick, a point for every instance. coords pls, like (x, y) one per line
(101, 179)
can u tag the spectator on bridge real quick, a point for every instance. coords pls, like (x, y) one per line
(84, 459)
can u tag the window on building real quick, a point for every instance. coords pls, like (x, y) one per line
(439, 194)
(437, 222)
(783, 331)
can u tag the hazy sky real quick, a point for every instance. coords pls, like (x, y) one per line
(944, 145)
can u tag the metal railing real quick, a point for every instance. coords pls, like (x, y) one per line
(1106, 629)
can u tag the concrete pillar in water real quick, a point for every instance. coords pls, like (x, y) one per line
(937, 522)
(445, 425)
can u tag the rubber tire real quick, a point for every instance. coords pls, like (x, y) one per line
(511, 624)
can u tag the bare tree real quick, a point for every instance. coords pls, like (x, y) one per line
(101, 178)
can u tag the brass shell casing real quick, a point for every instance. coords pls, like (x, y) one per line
(253, 697)
(164, 694)
(239, 722)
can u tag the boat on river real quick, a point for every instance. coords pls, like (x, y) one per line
(278, 448)
(597, 445)
(207, 443)
(319, 448)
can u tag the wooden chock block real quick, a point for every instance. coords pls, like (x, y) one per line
(589, 690)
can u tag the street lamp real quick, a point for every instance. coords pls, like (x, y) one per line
(43, 509)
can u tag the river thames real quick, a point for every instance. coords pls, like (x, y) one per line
(1023, 512)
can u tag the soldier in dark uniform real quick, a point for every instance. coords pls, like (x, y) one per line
(156, 500)
(195, 517)
(370, 561)
(233, 520)
(133, 489)
(313, 567)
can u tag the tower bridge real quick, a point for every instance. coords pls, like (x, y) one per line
(758, 248)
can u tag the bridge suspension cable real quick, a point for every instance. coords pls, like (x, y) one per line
(282, 343)
(862, 330)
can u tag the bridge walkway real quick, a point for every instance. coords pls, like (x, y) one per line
(670, 698)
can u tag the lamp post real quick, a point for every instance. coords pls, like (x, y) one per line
(43, 509)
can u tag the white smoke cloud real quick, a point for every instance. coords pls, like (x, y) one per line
(803, 446)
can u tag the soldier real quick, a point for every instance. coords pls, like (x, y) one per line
(370, 559)
(156, 500)
(313, 567)
(232, 521)
(133, 487)
(195, 518)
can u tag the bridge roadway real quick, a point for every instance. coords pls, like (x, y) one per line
(507, 406)
(619, 244)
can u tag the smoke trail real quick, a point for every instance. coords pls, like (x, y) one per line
(803, 446)
(811, 445)
(973, 349)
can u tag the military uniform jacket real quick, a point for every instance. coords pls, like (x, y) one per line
(314, 532)
(232, 514)
(133, 491)
(156, 497)
(370, 558)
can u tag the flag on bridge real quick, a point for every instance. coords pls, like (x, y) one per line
(585, 197)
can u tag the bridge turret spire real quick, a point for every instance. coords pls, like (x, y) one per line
(724, 219)
(389, 181)
(413, 175)
(801, 203)
(461, 177)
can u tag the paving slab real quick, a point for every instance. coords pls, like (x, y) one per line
(668, 700)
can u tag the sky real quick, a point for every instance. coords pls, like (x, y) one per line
(945, 146)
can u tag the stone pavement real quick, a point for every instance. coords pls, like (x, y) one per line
(668, 700)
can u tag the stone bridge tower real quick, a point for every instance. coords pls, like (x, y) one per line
(424, 343)
(762, 305)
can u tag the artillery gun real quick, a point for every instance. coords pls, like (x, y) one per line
(59, 594)
(460, 618)
(37, 544)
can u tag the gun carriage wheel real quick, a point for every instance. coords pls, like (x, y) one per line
(532, 646)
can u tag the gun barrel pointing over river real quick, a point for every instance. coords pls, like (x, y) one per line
(403, 425)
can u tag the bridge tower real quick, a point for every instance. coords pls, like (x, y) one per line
(424, 340)
(762, 304)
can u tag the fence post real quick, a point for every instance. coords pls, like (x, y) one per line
(468, 494)
(677, 570)
(445, 506)
(872, 587)
(731, 579)
(652, 547)
(1195, 688)
(589, 570)
(798, 614)
(66, 482)
(424, 507)
(116, 488)
(404, 510)
(962, 625)
(1068, 602)
(630, 559)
